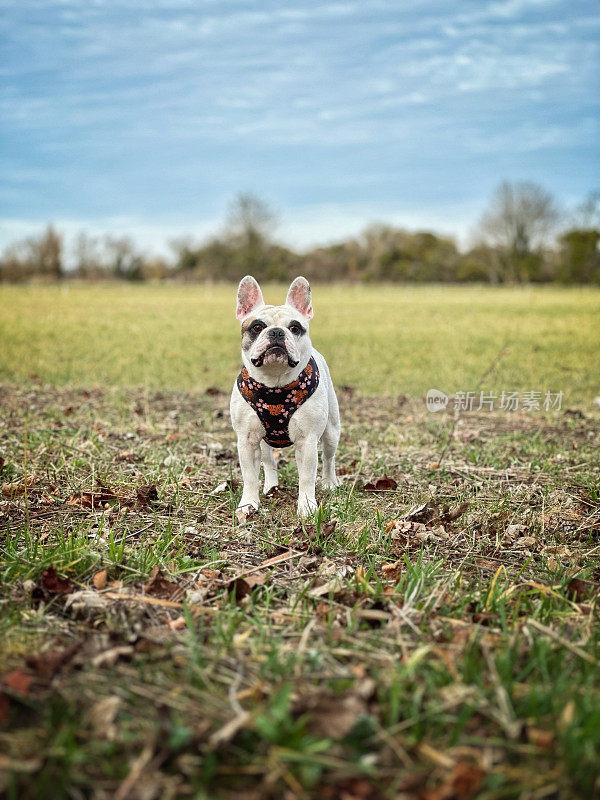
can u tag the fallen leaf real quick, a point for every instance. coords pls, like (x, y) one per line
(449, 515)
(210, 574)
(484, 617)
(49, 662)
(146, 495)
(127, 455)
(99, 580)
(93, 500)
(176, 624)
(51, 584)
(423, 513)
(540, 737)
(552, 564)
(278, 617)
(383, 484)
(393, 571)
(226, 455)
(332, 585)
(277, 491)
(579, 589)
(18, 681)
(214, 391)
(306, 534)
(245, 514)
(18, 488)
(514, 530)
(463, 783)
(159, 586)
(525, 541)
(244, 585)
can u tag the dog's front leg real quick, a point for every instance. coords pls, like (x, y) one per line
(249, 455)
(306, 459)
(269, 467)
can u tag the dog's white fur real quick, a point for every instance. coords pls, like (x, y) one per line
(316, 421)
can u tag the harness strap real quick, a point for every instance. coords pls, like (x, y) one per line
(275, 405)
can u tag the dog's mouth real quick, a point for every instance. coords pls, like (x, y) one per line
(274, 352)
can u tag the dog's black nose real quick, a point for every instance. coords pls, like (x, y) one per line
(277, 334)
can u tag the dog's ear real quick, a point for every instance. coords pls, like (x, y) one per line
(298, 297)
(249, 297)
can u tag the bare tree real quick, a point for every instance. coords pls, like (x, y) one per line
(519, 223)
(587, 214)
(185, 253)
(47, 253)
(15, 264)
(251, 219)
(36, 256)
(250, 226)
(123, 258)
(88, 259)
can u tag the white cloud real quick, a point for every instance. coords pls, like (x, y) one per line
(309, 101)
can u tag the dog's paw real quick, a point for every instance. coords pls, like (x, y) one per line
(331, 483)
(245, 512)
(307, 507)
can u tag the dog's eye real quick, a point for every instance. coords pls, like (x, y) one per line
(296, 328)
(257, 327)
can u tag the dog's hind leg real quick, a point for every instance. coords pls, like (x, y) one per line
(329, 441)
(269, 468)
(330, 438)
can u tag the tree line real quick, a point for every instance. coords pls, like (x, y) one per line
(521, 238)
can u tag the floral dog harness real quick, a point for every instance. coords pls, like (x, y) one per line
(275, 405)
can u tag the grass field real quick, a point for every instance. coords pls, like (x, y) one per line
(391, 340)
(437, 639)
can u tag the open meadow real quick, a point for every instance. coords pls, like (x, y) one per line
(432, 634)
(383, 340)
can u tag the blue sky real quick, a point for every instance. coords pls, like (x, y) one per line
(148, 116)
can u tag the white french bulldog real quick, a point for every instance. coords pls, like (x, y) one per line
(283, 395)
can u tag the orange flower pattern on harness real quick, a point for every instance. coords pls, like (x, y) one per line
(275, 405)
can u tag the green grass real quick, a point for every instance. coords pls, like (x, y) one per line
(434, 656)
(383, 340)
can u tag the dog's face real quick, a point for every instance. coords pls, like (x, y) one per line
(274, 338)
